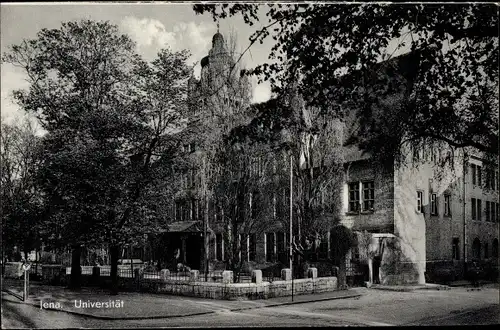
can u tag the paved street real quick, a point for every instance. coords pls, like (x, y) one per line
(458, 306)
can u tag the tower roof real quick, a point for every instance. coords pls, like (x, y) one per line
(216, 37)
(217, 41)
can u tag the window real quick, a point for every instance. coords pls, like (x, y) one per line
(252, 247)
(254, 204)
(219, 247)
(274, 205)
(434, 206)
(191, 178)
(498, 213)
(420, 202)
(217, 212)
(182, 210)
(280, 246)
(355, 253)
(494, 179)
(478, 175)
(455, 249)
(194, 210)
(257, 167)
(368, 196)
(496, 182)
(492, 213)
(473, 173)
(478, 207)
(270, 255)
(487, 211)
(473, 208)
(201, 209)
(416, 154)
(494, 248)
(354, 197)
(447, 205)
(242, 250)
(433, 155)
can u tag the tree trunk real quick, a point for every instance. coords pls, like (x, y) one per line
(76, 269)
(114, 254)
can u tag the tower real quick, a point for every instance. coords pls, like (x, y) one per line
(221, 90)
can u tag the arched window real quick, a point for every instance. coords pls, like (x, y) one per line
(494, 248)
(476, 249)
(455, 249)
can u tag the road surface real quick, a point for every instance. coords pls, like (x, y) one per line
(458, 306)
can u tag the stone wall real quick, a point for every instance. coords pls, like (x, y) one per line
(235, 291)
(382, 217)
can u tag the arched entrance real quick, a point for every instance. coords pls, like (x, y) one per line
(494, 248)
(476, 249)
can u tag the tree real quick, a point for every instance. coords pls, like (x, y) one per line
(22, 200)
(333, 51)
(110, 118)
(311, 139)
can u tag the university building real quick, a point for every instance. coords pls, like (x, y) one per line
(420, 219)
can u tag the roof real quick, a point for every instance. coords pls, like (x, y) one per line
(186, 227)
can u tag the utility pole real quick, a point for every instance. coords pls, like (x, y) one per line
(291, 213)
(205, 221)
(464, 218)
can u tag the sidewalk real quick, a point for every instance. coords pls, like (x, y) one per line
(469, 283)
(410, 288)
(150, 306)
(432, 286)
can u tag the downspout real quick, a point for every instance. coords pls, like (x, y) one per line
(463, 213)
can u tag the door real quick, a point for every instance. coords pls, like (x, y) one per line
(193, 251)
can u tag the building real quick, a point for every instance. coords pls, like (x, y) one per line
(421, 219)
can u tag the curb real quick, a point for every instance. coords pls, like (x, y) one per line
(404, 289)
(355, 295)
(102, 317)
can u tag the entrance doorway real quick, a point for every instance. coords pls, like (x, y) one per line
(377, 260)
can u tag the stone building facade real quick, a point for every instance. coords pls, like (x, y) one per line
(420, 220)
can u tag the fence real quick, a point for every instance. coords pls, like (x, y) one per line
(271, 275)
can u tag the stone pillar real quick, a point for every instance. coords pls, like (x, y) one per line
(193, 275)
(286, 274)
(164, 274)
(227, 277)
(257, 276)
(312, 272)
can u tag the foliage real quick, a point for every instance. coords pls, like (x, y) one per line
(110, 119)
(333, 51)
(288, 127)
(22, 201)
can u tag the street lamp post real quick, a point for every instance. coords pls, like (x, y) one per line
(291, 225)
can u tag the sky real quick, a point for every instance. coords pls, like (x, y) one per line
(152, 26)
